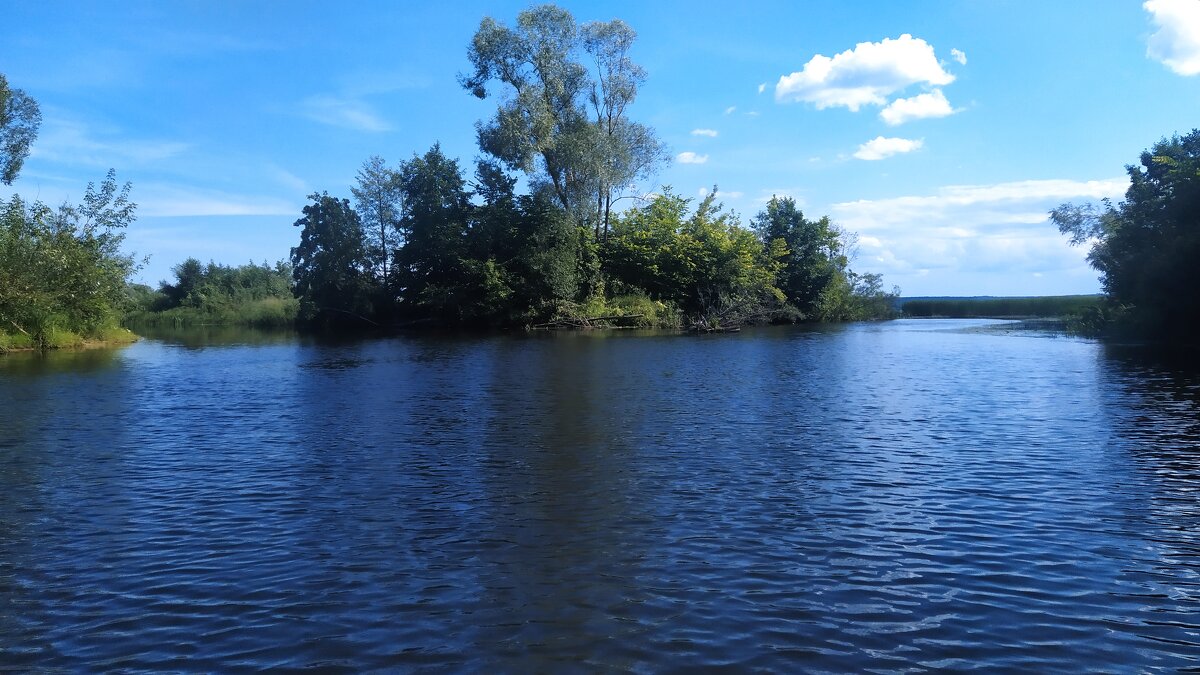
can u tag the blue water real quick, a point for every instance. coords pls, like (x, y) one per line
(873, 497)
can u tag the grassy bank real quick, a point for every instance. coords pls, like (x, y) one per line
(64, 339)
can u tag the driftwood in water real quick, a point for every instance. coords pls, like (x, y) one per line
(585, 322)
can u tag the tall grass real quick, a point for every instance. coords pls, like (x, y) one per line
(269, 312)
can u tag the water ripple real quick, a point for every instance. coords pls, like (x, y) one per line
(859, 499)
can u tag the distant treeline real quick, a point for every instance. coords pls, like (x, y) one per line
(248, 295)
(1055, 306)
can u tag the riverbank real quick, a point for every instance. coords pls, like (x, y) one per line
(53, 340)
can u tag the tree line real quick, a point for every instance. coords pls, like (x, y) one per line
(424, 243)
(213, 294)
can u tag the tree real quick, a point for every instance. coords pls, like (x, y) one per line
(379, 200)
(706, 264)
(20, 118)
(331, 266)
(627, 150)
(63, 270)
(544, 127)
(812, 254)
(434, 226)
(1146, 247)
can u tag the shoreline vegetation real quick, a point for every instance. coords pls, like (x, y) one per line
(1068, 308)
(425, 244)
(113, 337)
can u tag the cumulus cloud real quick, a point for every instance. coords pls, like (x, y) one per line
(921, 106)
(711, 133)
(882, 148)
(959, 55)
(762, 87)
(865, 75)
(691, 158)
(1000, 228)
(1177, 41)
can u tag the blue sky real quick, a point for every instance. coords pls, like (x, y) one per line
(940, 132)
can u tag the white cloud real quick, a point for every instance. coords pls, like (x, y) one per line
(734, 194)
(882, 148)
(1177, 41)
(691, 158)
(161, 200)
(731, 109)
(711, 133)
(288, 179)
(987, 234)
(865, 75)
(959, 55)
(762, 87)
(343, 112)
(75, 143)
(921, 106)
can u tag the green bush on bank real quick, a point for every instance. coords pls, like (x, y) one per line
(62, 272)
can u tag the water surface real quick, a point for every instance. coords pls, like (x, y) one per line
(873, 497)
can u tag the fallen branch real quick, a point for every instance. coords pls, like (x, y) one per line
(583, 321)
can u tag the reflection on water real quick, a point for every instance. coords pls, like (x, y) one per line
(915, 494)
(33, 364)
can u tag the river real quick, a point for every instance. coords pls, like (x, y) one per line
(871, 497)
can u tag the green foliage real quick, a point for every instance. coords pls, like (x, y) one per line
(330, 267)
(564, 122)
(429, 265)
(20, 118)
(1146, 247)
(715, 271)
(62, 272)
(379, 200)
(814, 268)
(251, 295)
(813, 260)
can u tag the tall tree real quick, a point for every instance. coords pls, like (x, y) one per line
(544, 127)
(20, 118)
(433, 227)
(330, 266)
(627, 150)
(379, 201)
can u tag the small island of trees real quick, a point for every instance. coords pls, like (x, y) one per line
(423, 244)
